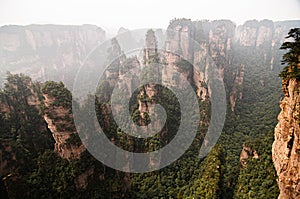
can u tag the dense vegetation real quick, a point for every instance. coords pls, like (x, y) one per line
(215, 177)
(23, 133)
(33, 170)
(257, 179)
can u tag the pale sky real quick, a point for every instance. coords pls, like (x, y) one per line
(133, 14)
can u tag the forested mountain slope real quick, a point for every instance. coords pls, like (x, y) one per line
(43, 157)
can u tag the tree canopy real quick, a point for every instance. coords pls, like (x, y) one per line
(292, 56)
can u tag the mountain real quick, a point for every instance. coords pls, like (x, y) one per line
(47, 52)
(41, 151)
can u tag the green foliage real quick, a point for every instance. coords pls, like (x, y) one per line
(291, 58)
(22, 121)
(290, 72)
(208, 183)
(32, 169)
(43, 174)
(257, 179)
(54, 175)
(255, 113)
(23, 133)
(59, 92)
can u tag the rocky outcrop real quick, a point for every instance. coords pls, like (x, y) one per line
(179, 53)
(219, 44)
(266, 36)
(114, 61)
(179, 39)
(247, 152)
(286, 147)
(56, 108)
(60, 122)
(149, 92)
(205, 45)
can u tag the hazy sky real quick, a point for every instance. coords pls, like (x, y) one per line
(112, 14)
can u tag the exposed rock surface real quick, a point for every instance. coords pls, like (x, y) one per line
(236, 92)
(247, 152)
(179, 54)
(254, 33)
(47, 52)
(286, 147)
(203, 44)
(63, 48)
(25, 99)
(60, 122)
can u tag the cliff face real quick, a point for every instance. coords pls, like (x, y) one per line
(24, 102)
(60, 123)
(150, 59)
(221, 41)
(254, 33)
(266, 36)
(195, 43)
(19, 111)
(286, 147)
(217, 43)
(218, 40)
(57, 112)
(179, 52)
(47, 51)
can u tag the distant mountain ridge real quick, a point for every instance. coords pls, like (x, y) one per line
(55, 52)
(47, 51)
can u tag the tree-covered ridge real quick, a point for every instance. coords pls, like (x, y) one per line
(187, 177)
(29, 166)
(20, 116)
(23, 133)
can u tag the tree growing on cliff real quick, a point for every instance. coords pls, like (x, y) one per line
(292, 56)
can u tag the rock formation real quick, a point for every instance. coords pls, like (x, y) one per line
(286, 147)
(56, 109)
(200, 43)
(247, 152)
(56, 52)
(47, 52)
